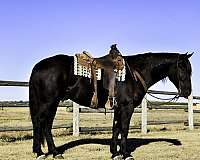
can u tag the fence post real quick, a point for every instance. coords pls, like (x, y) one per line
(190, 112)
(144, 115)
(76, 119)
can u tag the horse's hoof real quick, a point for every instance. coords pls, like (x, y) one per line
(129, 158)
(59, 156)
(119, 157)
(41, 157)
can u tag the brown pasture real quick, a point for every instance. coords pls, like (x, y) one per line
(163, 142)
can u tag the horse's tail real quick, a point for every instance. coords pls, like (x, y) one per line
(42, 136)
(34, 108)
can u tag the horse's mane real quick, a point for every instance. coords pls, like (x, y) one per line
(140, 61)
(144, 58)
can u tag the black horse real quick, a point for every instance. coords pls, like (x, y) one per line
(52, 77)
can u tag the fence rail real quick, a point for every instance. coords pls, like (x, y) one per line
(29, 128)
(26, 84)
(14, 83)
(76, 116)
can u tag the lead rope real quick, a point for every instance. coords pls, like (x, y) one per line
(175, 98)
(165, 99)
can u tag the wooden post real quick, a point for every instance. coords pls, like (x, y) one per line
(144, 115)
(76, 119)
(190, 112)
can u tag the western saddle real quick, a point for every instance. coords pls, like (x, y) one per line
(91, 68)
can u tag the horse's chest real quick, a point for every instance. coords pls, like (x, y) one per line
(128, 94)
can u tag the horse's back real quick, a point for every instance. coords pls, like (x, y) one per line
(53, 62)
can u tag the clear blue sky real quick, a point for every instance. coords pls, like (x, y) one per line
(36, 29)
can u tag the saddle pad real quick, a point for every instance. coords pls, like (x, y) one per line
(85, 71)
(121, 74)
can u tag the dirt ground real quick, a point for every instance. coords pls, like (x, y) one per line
(163, 142)
(162, 145)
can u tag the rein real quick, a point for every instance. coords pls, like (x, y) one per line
(165, 99)
(175, 98)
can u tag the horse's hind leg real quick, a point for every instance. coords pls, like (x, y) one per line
(48, 122)
(37, 138)
(42, 124)
(42, 118)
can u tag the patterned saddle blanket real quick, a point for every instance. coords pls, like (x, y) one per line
(82, 67)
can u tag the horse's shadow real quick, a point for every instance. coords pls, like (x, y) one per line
(132, 143)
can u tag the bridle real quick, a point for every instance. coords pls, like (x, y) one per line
(178, 76)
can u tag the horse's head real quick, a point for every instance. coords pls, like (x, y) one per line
(180, 74)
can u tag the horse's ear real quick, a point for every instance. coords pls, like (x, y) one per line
(189, 55)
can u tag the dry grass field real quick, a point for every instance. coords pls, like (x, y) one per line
(163, 142)
(163, 145)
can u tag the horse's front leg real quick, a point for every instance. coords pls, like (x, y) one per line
(126, 114)
(115, 134)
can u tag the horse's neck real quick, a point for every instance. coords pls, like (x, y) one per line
(150, 74)
(153, 73)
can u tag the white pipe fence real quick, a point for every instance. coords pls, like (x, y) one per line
(76, 116)
(144, 119)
